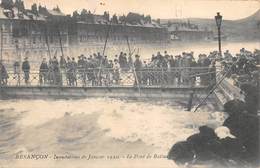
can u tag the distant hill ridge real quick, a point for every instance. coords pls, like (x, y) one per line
(255, 16)
(243, 29)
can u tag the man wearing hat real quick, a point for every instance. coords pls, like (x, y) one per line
(26, 70)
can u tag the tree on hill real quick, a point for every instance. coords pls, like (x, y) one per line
(7, 4)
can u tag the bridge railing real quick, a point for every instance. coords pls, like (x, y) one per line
(111, 77)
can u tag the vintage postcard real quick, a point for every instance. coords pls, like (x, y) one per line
(129, 83)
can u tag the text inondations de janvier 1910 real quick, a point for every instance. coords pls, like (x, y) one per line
(88, 157)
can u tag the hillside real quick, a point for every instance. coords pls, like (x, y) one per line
(243, 29)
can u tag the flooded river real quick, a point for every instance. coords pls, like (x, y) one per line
(103, 127)
(112, 130)
(176, 48)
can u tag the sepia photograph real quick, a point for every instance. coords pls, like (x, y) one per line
(129, 84)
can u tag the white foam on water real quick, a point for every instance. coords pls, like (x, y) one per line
(37, 112)
(157, 125)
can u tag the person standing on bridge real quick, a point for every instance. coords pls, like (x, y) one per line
(62, 63)
(43, 75)
(116, 74)
(74, 71)
(26, 69)
(3, 74)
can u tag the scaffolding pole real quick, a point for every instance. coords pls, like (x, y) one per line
(47, 42)
(133, 67)
(1, 52)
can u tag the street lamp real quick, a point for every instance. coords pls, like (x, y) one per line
(218, 19)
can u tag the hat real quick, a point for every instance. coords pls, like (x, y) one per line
(234, 106)
(207, 131)
(223, 132)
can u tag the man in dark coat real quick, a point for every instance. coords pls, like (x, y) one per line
(244, 126)
(26, 69)
(197, 147)
(43, 71)
(3, 74)
(251, 94)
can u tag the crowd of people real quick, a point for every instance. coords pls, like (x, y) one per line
(244, 68)
(99, 70)
(160, 69)
(234, 144)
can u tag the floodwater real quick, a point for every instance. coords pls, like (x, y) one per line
(176, 48)
(103, 127)
(108, 128)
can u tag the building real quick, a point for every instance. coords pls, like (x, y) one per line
(32, 35)
(90, 35)
(185, 31)
(42, 33)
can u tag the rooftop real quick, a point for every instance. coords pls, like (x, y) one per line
(41, 13)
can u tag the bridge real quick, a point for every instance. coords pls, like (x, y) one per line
(107, 82)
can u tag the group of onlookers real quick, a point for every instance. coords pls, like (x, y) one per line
(160, 69)
(242, 67)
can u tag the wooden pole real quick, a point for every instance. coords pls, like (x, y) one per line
(1, 52)
(103, 53)
(61, 48)
(216, 86)
(107, 36)
(219, 41)
(47, 42)
(133, 67)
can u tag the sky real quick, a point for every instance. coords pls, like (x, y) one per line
(230, 9)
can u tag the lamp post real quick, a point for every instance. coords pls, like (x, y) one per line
(218, 19)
